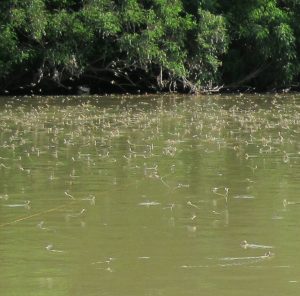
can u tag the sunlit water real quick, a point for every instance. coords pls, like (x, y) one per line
(150, 196)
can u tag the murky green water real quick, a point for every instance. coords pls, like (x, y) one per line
(150, 196)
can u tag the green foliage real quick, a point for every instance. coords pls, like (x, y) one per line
(262, 50)
(149, 44)
(9, 52)
(211, 42)
(153, 39)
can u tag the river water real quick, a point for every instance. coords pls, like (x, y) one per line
(154, 195)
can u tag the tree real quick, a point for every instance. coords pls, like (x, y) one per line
(151, 45)
(126, 44)
(263, 44)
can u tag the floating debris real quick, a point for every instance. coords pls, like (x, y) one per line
(76, 215)
(50, 248)
(41, 226)
(4, 196)
(25, 205)
(144, 257)
(171, 207)
(224, 194)
(243, 197)
(69, 195)
(266, 255)
(91, 198)
(246, 245)
(194, 266)
(286, 203)
(233, 261)
(149, 203)
(189, 203)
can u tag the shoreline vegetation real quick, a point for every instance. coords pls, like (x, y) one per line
(50, 47)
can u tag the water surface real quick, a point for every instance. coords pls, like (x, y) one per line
(150, 195)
